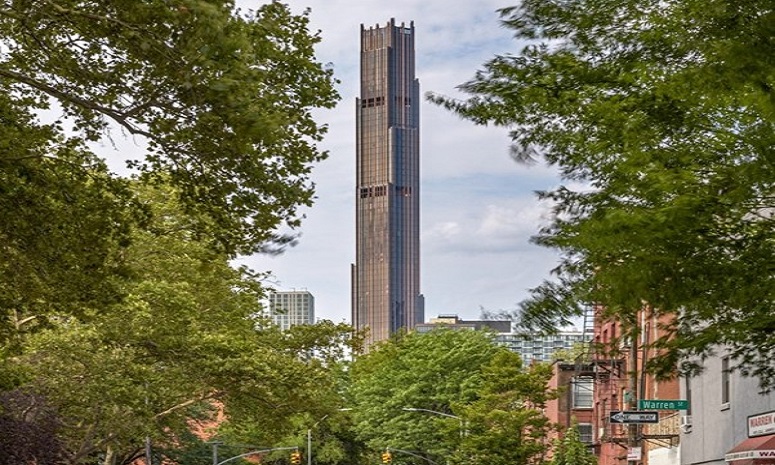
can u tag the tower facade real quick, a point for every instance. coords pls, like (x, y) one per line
(291, 308)
(386, 275)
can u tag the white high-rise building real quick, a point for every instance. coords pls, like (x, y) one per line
(291, 308)
(537, 347)
(532, 347)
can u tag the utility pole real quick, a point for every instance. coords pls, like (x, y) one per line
(633, 439)
(309, 443)
(148, 456)
(215, 445)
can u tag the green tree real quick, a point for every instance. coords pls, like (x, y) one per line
(64, 220)
(429, 371)
(506, 424)
(659, 118)
(571, 451)
(184, 340)
(332, 437)
(120, 314)
(468, 393)
(222, 99)
(218, 102)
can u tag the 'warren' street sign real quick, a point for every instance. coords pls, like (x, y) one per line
(661, 404)
(634, 417)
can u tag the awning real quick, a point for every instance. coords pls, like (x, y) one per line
(762, 447)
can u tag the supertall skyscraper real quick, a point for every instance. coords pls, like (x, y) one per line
(386, 275)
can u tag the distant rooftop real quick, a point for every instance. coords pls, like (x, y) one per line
(455, 322)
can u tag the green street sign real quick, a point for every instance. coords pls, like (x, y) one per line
(662, 404)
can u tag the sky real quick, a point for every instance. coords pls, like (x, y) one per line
(478, 207)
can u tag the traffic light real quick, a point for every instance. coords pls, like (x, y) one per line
(296, 458)
(387, 457)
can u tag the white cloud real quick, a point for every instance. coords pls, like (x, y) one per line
(508, 222)
(446, 231)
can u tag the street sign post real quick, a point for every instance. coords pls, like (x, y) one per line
(628, 417)
(663, 404)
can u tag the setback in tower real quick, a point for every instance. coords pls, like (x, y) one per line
(386, 275)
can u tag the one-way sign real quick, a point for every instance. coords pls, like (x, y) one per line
(634, 417)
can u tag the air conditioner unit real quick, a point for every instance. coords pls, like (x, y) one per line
(624, 342)
(686, 423)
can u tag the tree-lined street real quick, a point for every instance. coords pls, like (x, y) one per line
(128, 335)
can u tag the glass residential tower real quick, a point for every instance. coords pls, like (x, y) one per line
(386, 276)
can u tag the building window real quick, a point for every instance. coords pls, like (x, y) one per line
(582, 393)
(586, 434)
(725, 373)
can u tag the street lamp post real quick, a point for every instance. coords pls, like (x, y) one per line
(309, 440)
(448, 415)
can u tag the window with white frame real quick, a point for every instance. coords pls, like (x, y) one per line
(586, 434)
(582, 389)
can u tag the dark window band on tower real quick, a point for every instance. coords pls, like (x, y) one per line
(372, 102)
(373, 191)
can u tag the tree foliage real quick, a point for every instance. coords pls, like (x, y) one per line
(184, 339)
(222, 99)
(217, 101)
(660, 120)
(506, 424)
(429, 371)
(469, 395)
(571, 451)
(121, 317)
(64, 220)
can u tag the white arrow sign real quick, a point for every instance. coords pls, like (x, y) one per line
(634, 417)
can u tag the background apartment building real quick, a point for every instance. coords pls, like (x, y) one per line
(532, 347)
(536, 347)
(291, 308)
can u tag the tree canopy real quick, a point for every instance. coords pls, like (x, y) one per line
(185, 338)
(121, 317)
(222, 99)
(659, 118)
(218, 101)
(449, 396)
(506, 424)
